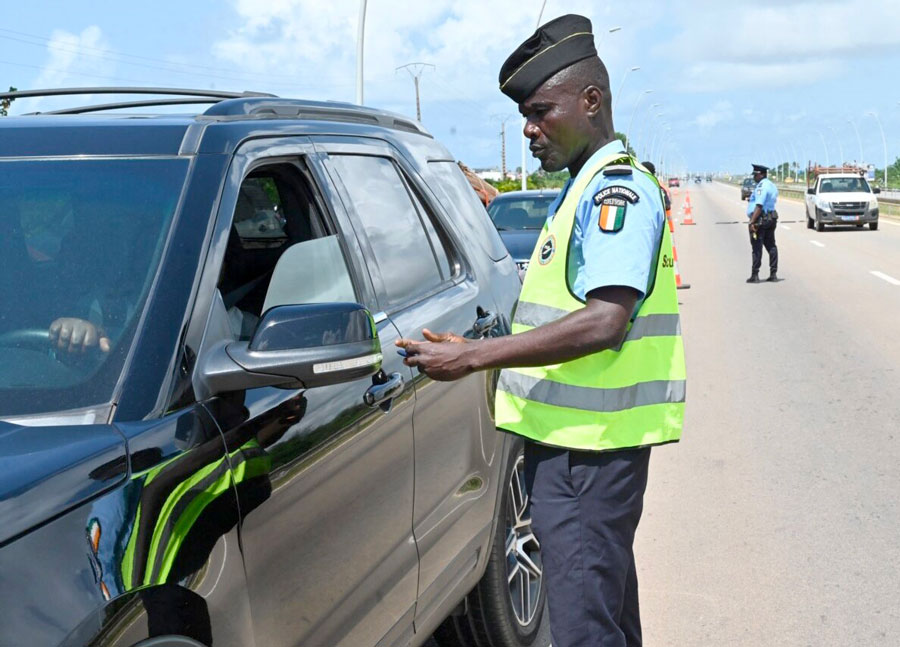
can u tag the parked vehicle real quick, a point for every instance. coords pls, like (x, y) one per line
(519, 216)
(747, 187)
(232, 452)
(838, 197)
(674, 182)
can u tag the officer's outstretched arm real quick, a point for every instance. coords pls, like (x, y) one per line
(601, 324)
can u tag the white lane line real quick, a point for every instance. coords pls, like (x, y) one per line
(817, 243)
(785, 227)
(885, 277)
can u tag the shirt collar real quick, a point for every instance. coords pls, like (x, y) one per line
(615, 146)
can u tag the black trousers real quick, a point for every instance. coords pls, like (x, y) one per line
(585, 509)
(764, 238)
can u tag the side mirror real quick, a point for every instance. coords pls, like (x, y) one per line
(876, 190)
(811, 190)
(297, 346)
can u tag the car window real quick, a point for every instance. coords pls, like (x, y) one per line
(520, 213)
(844, 185)
(80, 244)
(392, 224)
(279, 251)
(459, 200)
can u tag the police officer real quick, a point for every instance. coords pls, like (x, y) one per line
(763, 219)
(594, 373)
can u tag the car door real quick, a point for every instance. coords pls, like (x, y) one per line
(423, 280)
(325, 479)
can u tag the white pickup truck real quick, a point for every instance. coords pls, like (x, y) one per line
(841, 199)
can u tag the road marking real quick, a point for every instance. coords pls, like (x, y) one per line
(785, 227)
(817, 243)
(885, 277)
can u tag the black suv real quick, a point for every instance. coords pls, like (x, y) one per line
(207, 436)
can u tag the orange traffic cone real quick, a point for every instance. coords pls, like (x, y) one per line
(688, 219)
(679, 284)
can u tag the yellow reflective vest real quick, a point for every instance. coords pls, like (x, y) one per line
(629, 396)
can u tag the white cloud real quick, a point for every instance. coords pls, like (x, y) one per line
(777, 44)
(720, 112)
(71, 58)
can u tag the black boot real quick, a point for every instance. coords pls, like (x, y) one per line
(772, 277)
(754, 278)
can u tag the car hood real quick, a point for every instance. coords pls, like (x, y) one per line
(852, 196)
(520, 242)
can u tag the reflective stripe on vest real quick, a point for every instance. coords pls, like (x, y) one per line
(629, 396)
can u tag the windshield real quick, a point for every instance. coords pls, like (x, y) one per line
(80, 241)
(844, 185)
(520, 213)
(748, 182)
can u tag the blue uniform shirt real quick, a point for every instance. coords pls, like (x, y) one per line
(600, 259)
(766, 193)
(751, 203)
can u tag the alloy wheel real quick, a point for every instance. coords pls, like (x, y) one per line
(523, 552)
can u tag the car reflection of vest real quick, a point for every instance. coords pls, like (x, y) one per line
(186, 504)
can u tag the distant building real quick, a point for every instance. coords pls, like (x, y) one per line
(494, 176)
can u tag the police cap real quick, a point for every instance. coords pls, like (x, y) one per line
(760, 168)
(553, 47)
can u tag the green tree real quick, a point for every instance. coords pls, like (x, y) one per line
(625, 142)
(5, 103)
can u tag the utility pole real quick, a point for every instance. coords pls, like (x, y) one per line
(503, 119)
(419, 68)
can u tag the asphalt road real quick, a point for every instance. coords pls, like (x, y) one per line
(775, 521)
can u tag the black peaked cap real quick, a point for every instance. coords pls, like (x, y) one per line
(553, 47)
(760, 168)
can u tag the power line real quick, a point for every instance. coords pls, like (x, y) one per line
(419, 67)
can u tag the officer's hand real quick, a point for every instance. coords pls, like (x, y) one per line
(73, 335)
(443, 360)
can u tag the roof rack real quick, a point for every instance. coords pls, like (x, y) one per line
(198, 96)
(227, 105)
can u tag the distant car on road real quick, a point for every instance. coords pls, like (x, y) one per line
(747, 187)
(519, 217)
(697, 179)
(841, 199)
(674, 182)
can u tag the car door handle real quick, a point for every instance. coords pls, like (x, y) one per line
(485, 323)
(384, 388)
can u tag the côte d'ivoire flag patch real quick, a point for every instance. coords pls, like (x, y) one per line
(613, 202)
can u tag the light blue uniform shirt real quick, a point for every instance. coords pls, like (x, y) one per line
(766, 194)
(751, 202)
(600, 259)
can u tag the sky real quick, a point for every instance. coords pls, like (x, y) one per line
(720, 84)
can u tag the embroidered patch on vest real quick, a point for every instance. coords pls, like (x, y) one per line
(548, 250)
(613, 202)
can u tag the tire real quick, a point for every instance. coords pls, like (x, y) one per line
(873, 226)
(497, 614)
(809, 221)
(820, 226)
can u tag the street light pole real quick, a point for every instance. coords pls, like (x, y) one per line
(827, 158)
(360, 37)
(858, 141)
(621, 85)
(840, 146)
(641, 127)
(883, 144)
(631, 121)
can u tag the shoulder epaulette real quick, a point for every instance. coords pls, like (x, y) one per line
(618, 169)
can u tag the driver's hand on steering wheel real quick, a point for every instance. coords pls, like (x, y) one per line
(73, 335)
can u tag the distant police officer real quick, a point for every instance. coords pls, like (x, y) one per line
(763, 220)
(594, 373)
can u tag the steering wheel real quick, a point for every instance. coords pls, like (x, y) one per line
(31, 338)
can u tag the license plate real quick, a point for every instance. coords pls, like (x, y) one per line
(849, 218)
